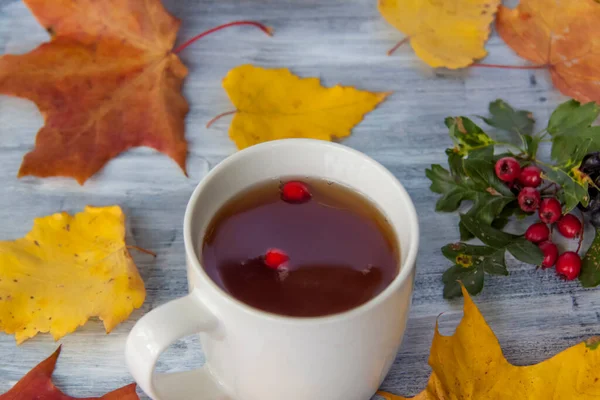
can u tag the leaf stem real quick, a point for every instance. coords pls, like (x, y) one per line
(212, 121)
(264, 28)
(482, 65)
(153, 254)
(400, 43)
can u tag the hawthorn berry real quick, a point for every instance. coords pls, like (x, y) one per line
(529, 199)
(569, 226)
(295, 192)
(568, 265)
(550, 210)
(274, 258)
(537, 232)
(550, 253)
(530, 176)
(507, 169)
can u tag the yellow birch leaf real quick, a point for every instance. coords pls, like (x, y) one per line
(449, 34)
(66, 270)
(276, 104)
(469, 365)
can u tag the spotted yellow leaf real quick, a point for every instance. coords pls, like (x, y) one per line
(449, 34)
(470, 365)
(276, 104)
(66, 270)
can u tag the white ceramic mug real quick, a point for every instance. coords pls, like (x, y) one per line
(255, 355)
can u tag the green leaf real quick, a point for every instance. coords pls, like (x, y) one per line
(484, 153)
(485, 233)
(504, 117)
(525, 251)
(464, 233)
(482, 172)
(495, 263)
(590, 267)
(485, 207)
(532, 143)
(478, 183)
(441, 180)
(455, 162)
(466, 135)
(453, 250)
(472, 278)
(571, 116)
(570, 149)
(572, 134)
(468, 255)
(572, 191)
(500, 222)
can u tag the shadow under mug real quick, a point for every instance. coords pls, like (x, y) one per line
(255, 355)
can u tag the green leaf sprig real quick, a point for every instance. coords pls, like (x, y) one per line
(471, 177)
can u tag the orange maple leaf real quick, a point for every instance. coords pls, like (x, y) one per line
(559, 35)
(107, 81)
(37, 384)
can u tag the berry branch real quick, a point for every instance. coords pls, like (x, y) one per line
(519, 185)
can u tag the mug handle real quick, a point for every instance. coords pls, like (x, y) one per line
(153, 333)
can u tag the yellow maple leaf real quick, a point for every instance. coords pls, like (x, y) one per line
(470, 365)
(442, 33)
(66, 270)
(276, 104)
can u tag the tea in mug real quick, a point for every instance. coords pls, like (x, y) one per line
(301, 248)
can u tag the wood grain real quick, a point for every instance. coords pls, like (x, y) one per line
(533, 313)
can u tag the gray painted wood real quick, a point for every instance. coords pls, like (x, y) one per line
(533, 313)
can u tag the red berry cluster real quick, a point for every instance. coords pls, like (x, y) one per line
(526, 180)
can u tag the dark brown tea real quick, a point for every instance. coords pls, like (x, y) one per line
(316, 249)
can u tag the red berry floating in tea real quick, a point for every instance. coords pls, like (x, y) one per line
(295, 192)
(274, 258)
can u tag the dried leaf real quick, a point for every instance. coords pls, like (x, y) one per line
(470, 365)
(66, 270)
(275, 104)
(561, 35)
(37, 385)
(448, 34)
(106, 82)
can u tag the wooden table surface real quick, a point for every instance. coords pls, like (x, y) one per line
(534, 314)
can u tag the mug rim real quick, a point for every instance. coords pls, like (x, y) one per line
(406, 267)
